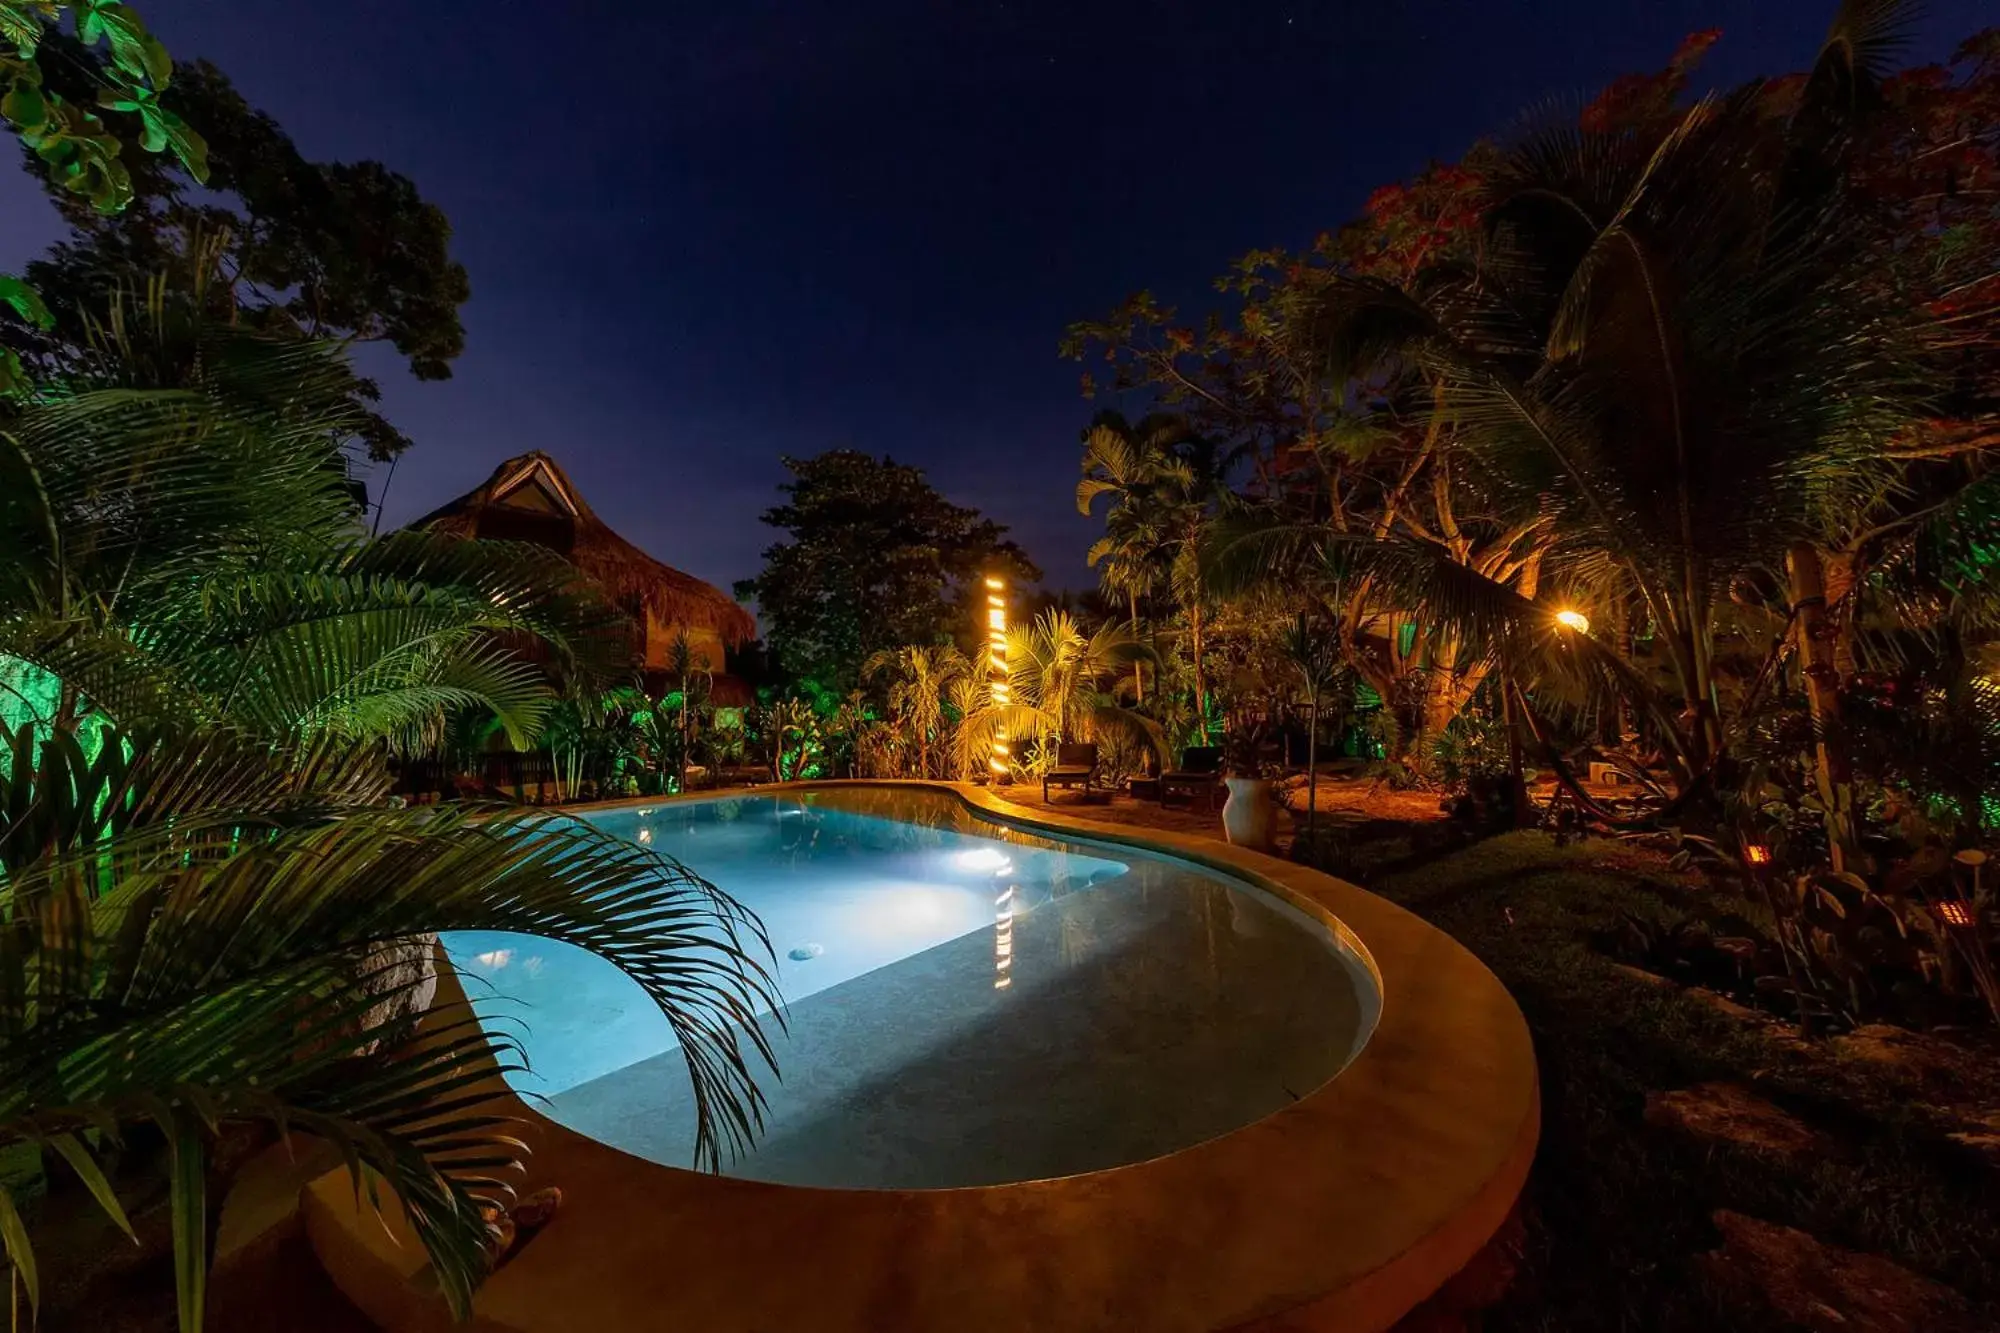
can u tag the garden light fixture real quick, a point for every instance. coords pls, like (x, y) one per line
(996, 670)
(1953, 912)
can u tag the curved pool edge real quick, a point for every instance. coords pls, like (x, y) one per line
(1284, 1224)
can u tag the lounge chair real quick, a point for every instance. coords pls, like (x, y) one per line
(1076, 766)
(1200, 774)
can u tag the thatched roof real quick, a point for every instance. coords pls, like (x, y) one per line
(530, 498)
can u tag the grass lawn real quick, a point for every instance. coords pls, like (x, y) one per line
(1617, 1209)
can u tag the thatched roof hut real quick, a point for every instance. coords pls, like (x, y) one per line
(530, 498)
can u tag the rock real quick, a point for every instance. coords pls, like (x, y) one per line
(403, 973)
(1722, 1004)
(1726, 1113)
(1986, 1145)
(1645, 978)
(1825, 1289)
(1917, 1052)
(1982, 1137)
(1743, 950)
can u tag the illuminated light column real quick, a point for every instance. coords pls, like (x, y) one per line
(996, 672)
(1003, 938)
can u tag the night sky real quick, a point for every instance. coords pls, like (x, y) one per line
(702, 235)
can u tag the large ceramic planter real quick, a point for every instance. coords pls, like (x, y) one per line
(1247, 817)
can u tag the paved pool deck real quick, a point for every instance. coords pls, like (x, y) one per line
(1341, 1211)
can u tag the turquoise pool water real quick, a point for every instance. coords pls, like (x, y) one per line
(966, 1004)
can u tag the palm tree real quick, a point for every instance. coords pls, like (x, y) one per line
(968, 698)
(1166, 482)
(1125, 463)
(195, 925)
(690, 681)
(195, 556)
(1675, 353)
(1060, 680)
(920, 677)
(198, 874)
(1315, 656)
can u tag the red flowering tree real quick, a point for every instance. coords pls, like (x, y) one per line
(1352, 443)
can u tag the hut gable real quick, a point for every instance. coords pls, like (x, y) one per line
(536, 496)
(530, 498)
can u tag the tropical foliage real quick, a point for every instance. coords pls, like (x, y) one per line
(196, 931)
(206, 662)
(1062, 682)
(74, 145)
(75, 148)
(1164, 484)
(195, 557)
(920, 681)
(874, 559)
(346, 251)
(1657, 434)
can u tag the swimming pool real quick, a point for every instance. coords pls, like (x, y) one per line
(966, 1004)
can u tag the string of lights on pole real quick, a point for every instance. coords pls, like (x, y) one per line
(996, 672)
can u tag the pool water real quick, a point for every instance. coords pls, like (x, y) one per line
(965, 1004)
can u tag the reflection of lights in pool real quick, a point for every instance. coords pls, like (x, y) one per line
(901, 910)
(918, 905)
(645, 835)
(532, 966)
(494, 958)
(981, 858)
(645, 812)
(1003, 938)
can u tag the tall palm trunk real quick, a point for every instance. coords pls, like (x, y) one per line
(1822, 681)
(681, 777)
(1200, 682)
(1312, 766)
(1138, 675)
(1628, 730)
(1708, 717)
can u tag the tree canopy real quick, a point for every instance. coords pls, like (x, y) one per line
(1718, 326)
(875, 559)
(347, 251)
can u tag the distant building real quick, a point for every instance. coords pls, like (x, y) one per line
(531, 499)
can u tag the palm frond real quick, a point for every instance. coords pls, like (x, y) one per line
(1863, 44)
(533, 589)
(232, 987)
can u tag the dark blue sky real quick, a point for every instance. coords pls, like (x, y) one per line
(702, 235)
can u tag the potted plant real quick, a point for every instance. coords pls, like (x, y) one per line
(1249, 815)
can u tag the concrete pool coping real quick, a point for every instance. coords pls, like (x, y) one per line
(1341, 1211)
